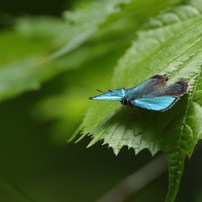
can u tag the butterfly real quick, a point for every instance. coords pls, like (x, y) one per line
(153, 94)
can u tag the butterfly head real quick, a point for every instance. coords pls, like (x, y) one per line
(124, 101)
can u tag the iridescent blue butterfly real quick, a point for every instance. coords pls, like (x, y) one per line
(153, 94)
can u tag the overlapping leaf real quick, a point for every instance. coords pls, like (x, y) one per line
(36, 38)
(171, 44)
(96, 59)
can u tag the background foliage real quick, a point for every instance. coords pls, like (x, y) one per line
(49, 66)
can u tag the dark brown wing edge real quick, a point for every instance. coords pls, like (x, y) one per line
(185, 87)
(173, 90)
(160, 77)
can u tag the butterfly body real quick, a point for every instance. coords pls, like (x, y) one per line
(152, 94)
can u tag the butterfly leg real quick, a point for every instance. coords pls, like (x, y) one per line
(141, 113)
(132, 112)
(129, 109)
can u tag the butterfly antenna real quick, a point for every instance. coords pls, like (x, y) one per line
(99, 91)
(109, 90)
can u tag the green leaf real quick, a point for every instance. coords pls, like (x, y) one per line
(169, 44)
(26, 50)
(12, 192)
(19, 76)
(102, 51)
(84, 23)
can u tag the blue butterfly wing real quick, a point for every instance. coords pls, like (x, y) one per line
(155, 103)
(152, 85)
(161, 98)
(175, 90)
(152, 94)
(137, 92)
(115, 95)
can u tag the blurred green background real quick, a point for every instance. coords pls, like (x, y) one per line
(37, 118)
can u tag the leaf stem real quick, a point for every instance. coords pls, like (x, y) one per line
(137, 180)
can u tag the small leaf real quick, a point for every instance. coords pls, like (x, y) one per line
(84, 23)
(24, 62)
(19, 76)
(170, 44)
